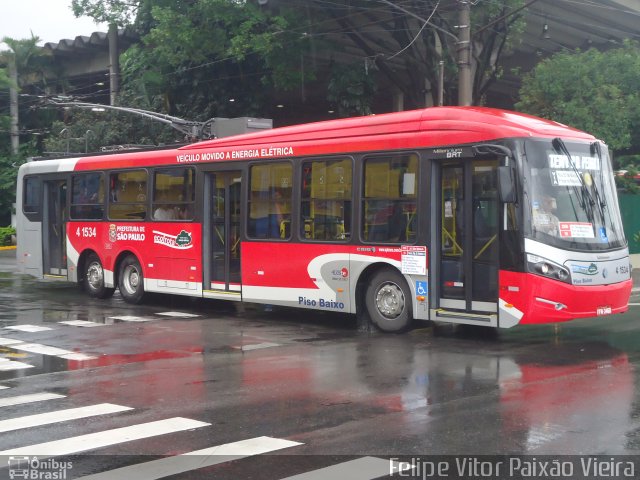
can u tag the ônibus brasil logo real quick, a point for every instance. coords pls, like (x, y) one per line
(182, 241)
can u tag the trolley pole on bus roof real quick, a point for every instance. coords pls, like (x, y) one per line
(192, 129)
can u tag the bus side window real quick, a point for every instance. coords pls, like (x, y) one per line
(128, 195)
(173, 194)
(32, 195)
(270, 198)
(389, 202)
(87, 196)
(326, 200)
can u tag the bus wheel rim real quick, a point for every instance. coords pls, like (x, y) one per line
(95, 275)
(131, 279)
(390, 300)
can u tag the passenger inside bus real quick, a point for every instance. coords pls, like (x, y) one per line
(165, 212)
(544, 219)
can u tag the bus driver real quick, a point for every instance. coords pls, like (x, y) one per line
(543, 218)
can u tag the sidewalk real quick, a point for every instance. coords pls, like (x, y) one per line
(8, 259)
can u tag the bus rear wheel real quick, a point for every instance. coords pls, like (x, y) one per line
(131, 280)
(93, 280)
(388, 301)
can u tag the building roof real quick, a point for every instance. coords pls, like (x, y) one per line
(83, 44)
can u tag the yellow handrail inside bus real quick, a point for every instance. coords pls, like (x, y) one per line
(486, 245)
(455, 244)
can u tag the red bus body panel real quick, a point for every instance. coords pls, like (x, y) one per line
(161, 257)
(580, 301)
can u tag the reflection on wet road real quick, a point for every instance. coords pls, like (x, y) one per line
(284, 393)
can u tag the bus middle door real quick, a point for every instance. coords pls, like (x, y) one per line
(222, 235)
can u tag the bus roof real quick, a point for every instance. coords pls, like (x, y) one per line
(416, 129)
(469, 124)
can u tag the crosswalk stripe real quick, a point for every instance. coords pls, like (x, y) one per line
(207, 457)
(60, 416)
(5, 342)
(7, 365)
(28, 328)
(31, 398)
(256, 346)
(48, 350)
(131, 318)
(82, 323)
(3, 387)
(92, 441)
(178, 314)
(364, 468)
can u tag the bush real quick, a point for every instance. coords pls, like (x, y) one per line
(5, 235)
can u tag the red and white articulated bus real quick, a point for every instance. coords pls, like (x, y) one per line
(454, 214)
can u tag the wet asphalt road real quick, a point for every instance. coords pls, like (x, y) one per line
(294, 392)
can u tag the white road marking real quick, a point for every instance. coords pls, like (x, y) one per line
(130, 318)
(28, 328)
(178, 314)
(2, 387)
(256, 346)
(77, 356)
(5, 342)
(365, 468)
(82, 323)
(7, 365)
(206, 457)
(91, 441)
(31, 398)
(60, 416)
(48, 350)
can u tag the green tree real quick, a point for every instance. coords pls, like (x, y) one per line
(30, 65)
(87, 131)
(196, 56)
(594, 91)
(120, 12)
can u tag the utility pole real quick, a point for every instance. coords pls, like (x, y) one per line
(464, 53)
(114, 63)
(13, 105)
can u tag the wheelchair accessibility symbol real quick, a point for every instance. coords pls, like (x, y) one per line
(421, 288)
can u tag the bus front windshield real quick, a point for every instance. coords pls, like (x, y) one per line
(570, 195)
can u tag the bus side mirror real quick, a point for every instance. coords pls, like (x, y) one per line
(506, 185)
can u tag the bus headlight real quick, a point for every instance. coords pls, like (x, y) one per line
(547, 268)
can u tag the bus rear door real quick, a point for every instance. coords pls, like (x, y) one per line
(466, 236)
(222, 237)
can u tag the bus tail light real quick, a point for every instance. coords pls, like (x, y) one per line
(547, 268)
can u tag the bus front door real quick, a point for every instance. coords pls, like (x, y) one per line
(222, 222)
(54, 232)
(467, 234)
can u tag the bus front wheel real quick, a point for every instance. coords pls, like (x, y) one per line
(131, 280)
(93, 279)
(388, 301)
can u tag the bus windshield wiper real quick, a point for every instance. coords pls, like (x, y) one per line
(602, 204)
(560, 146)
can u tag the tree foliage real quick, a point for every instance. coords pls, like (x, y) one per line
(196, 56)
(119, 12)
(87, 131)
(32, 65)
(590, 90)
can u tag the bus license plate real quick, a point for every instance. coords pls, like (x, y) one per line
(603, 310)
